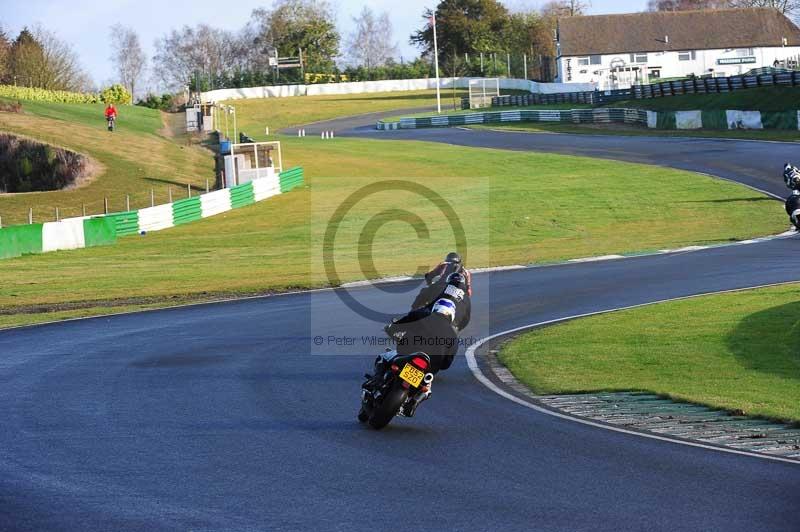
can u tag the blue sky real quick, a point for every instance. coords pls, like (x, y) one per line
(84, 23)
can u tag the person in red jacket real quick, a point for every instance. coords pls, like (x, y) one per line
(111, 116)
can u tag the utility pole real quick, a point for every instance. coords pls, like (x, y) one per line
(436, 61)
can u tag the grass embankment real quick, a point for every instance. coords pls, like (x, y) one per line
(735, 351)
(527, 207)
(253, 116)
(139, 156)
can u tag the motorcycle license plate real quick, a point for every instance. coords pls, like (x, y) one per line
(412, 375)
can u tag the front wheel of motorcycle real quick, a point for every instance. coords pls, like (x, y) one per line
(383, 413)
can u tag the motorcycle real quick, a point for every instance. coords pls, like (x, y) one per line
(111, 123)
(400, 384)
(791, 176)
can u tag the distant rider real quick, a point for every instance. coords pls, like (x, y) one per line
(111, 115)
(435, 279)
(791, 176)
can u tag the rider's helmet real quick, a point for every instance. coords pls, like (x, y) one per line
(444, 307)
(453, 258)
(791, 176)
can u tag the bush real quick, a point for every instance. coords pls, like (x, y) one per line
(116, 93)
(165, 102)
(43, 95)
(26, 165)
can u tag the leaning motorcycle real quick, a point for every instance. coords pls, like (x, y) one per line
(400, 384)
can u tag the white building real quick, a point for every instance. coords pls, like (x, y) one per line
(617, 51)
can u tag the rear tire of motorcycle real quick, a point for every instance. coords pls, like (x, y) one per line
(383, 414)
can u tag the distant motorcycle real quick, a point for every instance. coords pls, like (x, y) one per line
(400, 384)
(791, 177)
(111, 123)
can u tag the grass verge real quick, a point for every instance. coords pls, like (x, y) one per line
(734, 351)
(641, 131)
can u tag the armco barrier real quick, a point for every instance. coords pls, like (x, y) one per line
(291, 179)
(186, 210)
(80, 232)
(243, 195)
(730, 119)
(125, 223)
(599, 116)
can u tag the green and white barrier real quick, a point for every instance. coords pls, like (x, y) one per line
(723, 119)
(576, 116)
(75, 233)
(715, 119)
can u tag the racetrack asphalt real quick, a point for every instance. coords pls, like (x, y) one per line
(228, 416)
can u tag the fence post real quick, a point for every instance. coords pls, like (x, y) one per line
(188, 190)
(57, 214)
(127, 202)
(152, 198)
(524, 66)
(170, 193)
(105, 204)
(1, 222)
(207, 189)
(83, 208)
(30, 215)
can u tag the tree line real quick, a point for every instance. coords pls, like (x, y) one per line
(37, 58)
(475, 37)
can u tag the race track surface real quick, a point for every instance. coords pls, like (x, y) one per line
(228, 416)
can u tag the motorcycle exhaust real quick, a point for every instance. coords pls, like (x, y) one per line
(428, 378)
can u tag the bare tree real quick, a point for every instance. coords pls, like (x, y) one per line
(56, 66)
(127, 56)
(789, 8)
(202, 51)
(685, 5)
(371, 44)
(564, 8)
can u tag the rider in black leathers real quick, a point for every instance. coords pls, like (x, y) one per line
(436, 278)
(791, 176)
(432, 328)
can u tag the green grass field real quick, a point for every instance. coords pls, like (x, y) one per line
(253, 116)
(525, 208)
(736, 351)
(519, 208)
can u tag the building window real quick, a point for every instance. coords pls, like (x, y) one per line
(583, 61)
(745, 52)
(638, 58)
(686, 56)
(595, 60)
